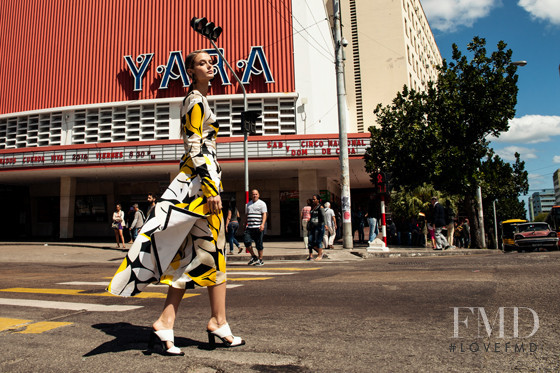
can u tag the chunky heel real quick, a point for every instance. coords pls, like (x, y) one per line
(222, 333)
(159, 337)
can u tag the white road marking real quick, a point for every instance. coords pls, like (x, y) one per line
(66, 305)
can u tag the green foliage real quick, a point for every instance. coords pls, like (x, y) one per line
(408, 203)
(541, 217)
(438, 137)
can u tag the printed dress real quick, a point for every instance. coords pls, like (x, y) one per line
(182, 244)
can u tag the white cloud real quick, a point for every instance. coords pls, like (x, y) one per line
(448, 15)
(547, 10)
(530, 129)
(556, 159)
(508, 153)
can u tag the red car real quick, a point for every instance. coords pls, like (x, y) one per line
(535, 236)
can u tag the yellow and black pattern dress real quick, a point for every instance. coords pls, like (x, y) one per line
(182, 244)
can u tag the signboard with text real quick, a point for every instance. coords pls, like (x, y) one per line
(166, 151)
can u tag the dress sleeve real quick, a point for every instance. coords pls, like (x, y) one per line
(193, 114)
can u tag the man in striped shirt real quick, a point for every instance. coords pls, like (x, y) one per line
(255, 217)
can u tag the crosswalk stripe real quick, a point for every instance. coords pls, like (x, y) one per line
(66, 305)
(145, 294)
(106, 283)
(296, 269)
(43, 326)
(7, 323)
(264, 273)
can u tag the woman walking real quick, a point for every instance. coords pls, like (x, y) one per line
(182, 244)
(118, 224)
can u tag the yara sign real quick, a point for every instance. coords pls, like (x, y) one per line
(175, 68)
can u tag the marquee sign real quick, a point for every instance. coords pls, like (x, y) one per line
(175, 67)
(172, 150)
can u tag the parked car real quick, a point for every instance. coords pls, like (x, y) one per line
(535, 236)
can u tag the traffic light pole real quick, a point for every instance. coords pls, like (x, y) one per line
(245, 133)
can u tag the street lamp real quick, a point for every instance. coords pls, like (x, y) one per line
(248, 118)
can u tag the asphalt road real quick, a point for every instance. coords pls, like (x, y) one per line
(363, 315)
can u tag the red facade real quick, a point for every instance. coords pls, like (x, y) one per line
(62, 52)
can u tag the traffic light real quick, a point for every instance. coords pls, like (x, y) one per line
(249, 121)
(205, 28)
(381, 184)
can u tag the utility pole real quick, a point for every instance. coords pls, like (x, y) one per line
(340, 43)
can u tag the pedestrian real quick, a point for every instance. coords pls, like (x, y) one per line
(304, 219)
(127, 223)
(182, 244)
(438, 223)
(330, 227)
(316, 228)
(117, 225)
(466, 233)
(358, 223)
(137, 223)
(449, 221)
(232, 224)
(372, 218)
(255, 216)
(152, 199)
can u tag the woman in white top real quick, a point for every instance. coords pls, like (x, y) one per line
(117, 225)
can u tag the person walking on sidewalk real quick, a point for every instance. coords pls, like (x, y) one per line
(255, 216)
(438, 223)
(232, 224)
(316, 228)
(118, 224)
(330, 227)
(137, 223)
(152, 201)
(304, 219)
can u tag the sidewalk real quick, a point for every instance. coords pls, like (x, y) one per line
(98, 252)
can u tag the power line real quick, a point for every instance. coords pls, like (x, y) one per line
(313, 45)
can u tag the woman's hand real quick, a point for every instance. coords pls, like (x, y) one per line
(214, 204)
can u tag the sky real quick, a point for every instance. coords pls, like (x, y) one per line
(531, 28)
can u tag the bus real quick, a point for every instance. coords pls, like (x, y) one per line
(553, 219)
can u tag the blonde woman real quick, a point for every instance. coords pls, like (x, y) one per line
(182, 244)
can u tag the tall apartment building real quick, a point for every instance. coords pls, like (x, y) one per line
(556, 180)
(390, 44)
(543, 201)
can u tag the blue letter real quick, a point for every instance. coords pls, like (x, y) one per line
(256, 52)
(175, 57)
(219, 66)
(144, 61)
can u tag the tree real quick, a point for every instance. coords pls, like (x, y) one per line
(439, 136)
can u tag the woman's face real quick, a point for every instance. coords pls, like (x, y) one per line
(203, 69)
(118, 207)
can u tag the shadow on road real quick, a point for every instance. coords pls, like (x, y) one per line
(132, 337)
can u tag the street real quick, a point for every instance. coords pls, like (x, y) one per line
(493, 312)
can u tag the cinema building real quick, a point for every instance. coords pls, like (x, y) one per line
(91, 91)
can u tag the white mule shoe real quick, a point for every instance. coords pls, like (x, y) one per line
(222, 333)
(163, 336)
